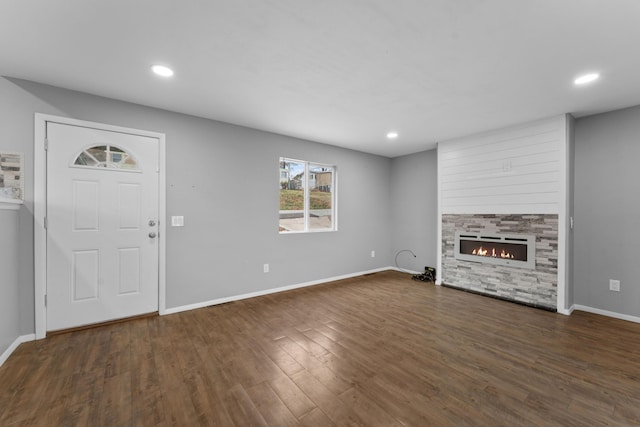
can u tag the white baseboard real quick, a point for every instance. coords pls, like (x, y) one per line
(567, 311)
(404, 270)
(613, 314)
(14, 345)
(203, 304)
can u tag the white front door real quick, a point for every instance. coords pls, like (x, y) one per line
(102, 215)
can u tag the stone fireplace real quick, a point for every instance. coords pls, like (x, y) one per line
(500, 192)
(532, 279)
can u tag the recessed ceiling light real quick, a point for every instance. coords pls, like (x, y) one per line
(587, 78)
(161, 70)
(392, 135)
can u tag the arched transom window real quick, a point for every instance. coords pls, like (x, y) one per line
(106, 156)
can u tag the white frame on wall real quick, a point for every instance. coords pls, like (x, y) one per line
(40, 205)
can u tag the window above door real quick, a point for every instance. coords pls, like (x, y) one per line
(107, 157)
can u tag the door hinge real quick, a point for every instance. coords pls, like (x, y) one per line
(46, 144)
(45, 300)
(46, 223)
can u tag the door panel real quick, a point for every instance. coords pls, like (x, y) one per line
(129, 270)
(85, 273)
(85, 205)
(102, 196)
(129, 206)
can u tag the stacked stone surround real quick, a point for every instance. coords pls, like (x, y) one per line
(534, 287)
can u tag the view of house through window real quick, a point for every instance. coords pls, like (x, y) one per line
(307, 196)
(106, 156)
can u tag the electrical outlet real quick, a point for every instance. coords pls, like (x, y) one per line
(614, 285)
(266, 268)
(373, 254)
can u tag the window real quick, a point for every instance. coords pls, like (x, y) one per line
(307, 196)
(106, 156)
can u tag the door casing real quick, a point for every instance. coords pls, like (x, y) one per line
(40, 212)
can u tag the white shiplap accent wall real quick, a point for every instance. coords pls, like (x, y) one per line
(517, 170)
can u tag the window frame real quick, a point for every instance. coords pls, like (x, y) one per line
(307, 196)
(107, 164)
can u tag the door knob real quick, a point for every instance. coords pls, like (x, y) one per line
(152, 223)
(152, 235)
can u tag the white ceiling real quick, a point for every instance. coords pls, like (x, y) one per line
(342, 72)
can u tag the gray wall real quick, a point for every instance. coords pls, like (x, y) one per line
(10, 316)
(219, 178)
(607, 211)
(414, 213)
(224, 180)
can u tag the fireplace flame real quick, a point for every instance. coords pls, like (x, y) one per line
(481, 251)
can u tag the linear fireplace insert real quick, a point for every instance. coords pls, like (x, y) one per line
(514, 250)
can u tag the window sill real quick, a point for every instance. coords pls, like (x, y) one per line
(282, 233)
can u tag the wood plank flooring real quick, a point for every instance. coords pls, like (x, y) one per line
(378, 350)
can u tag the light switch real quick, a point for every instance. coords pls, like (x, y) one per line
(177, 221)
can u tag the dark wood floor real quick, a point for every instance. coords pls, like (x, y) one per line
(379, 350)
